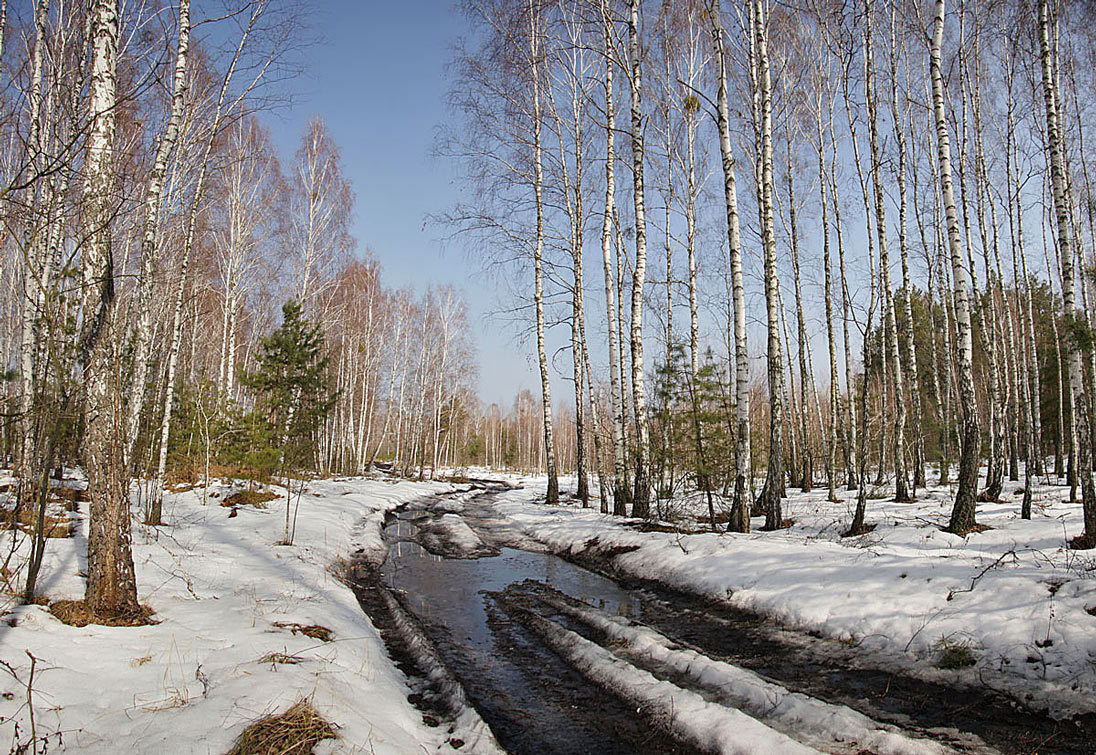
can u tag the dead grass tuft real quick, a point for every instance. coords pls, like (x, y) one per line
(256, 498)
(76, 613)
(294, 732)
(315, 631)
(954, 654)
(285, 659)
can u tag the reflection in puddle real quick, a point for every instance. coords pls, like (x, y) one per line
(532, 701)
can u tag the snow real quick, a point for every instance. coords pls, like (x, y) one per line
(196, 679)
(191, 683)
(1015, 594)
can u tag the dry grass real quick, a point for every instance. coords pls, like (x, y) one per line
(954, 654)
(71, 497)
(315, 631)
(77, 614)
(256, 498)
(286, 659)
(294, 732)
(646, 526)
(54, 525)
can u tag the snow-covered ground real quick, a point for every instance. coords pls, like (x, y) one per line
(218, 586)
(899, 597)
(1015, 596)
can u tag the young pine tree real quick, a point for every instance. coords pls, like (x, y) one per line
(292, 392)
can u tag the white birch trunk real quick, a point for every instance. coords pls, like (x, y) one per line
(740, 508)
(963, 511)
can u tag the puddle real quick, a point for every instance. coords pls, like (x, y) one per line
(533, 701)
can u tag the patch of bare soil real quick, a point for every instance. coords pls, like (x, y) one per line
(256, 498)
(1083, 542)
(597, 551)
(76, 613)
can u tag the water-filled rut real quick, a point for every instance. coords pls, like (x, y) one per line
(533, 701)
(558, 658)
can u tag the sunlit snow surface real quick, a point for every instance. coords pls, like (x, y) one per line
(191, 683)
(1015, 593)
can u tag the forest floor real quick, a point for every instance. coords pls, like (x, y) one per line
(906, 639)
(239, 633)
(1011, 608)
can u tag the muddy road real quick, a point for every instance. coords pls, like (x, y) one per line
(560, 657)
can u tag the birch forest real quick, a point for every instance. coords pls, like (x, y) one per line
(842, 245)
(547, 376)
(846, 245)
(150, 237)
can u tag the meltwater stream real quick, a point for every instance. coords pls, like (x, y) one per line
(533, 702)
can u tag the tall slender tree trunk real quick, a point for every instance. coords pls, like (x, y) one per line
(156, 512)
(775, 482)
(142, 336)
(913, 383)
(1055, 147)
(852, 476)
(111, 589)
(806, 466)
(831, 343)
(963, 511)
(1032, 383)
(616, 401)
(991, 331)
(552, 495)
(641, 496)
(740, 507)
(901, 482)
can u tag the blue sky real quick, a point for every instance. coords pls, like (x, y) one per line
(378, 77)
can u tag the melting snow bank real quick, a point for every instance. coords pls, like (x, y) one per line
(684, 713)
(1011, 601)
(450, 536)
(829, 727)
(230, 645)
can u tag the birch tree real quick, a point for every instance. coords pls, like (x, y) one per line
(641, 496)
(612, 305)
(111, 590)
(1055, 149)
(536, 116)
(740, 508)
(963, 510)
